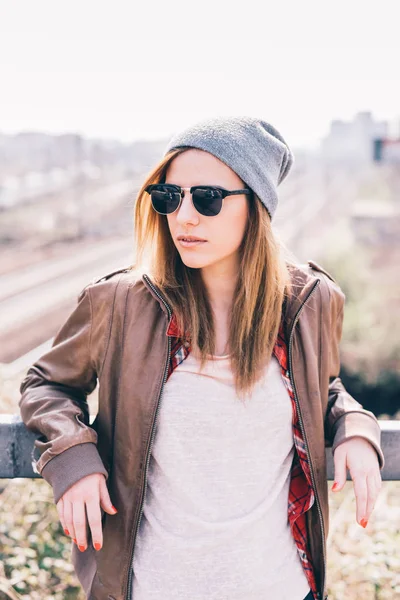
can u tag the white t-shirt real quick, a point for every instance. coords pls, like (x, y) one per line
(215, 515)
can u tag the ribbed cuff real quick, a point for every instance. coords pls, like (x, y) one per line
(357, 424)
(65, 469)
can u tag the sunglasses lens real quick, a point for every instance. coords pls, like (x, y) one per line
(165, 200)
(208, 201)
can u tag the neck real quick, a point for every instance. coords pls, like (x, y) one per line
(220, 282)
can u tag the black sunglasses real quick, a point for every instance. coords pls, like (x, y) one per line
(207, 199)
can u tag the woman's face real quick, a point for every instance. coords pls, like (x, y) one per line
(224, 232)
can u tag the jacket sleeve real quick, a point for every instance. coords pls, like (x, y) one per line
(345, 417)
(53, 403)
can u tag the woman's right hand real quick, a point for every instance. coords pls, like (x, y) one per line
(90, 491)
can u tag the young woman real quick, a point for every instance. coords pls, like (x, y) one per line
(219, 390)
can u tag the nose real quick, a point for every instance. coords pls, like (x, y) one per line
(186, 211)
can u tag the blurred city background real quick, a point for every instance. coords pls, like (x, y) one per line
(85, 113)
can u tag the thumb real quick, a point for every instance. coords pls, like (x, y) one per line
(340, 471)
(105, 500)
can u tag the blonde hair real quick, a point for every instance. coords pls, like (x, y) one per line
(263, 284)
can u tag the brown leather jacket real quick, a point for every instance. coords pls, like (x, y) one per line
(117, 336)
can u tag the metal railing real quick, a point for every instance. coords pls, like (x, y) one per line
(17, 449)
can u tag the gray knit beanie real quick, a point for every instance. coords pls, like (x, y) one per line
(251, 147)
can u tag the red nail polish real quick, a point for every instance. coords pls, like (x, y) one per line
(74, 540)
(335, 486)
(97, 546)
(364, 523)
(81, 547)
(66, 531)
(113, 507)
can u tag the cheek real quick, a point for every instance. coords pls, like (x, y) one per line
(227, 232)
(232, 238)
(171, 224)
(235, 221)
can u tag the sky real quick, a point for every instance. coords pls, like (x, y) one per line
(143, 70)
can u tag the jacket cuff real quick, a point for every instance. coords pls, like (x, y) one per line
(65, 469)
(354, 424)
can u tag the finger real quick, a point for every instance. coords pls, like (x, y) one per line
(60, 510)
(69, 524)
(79, 519)
(373, 492)
(94, 519)
(361, 493)
(105, 500)
(339, 459)
(378, 481)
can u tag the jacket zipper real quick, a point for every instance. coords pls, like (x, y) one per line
(128, 595)
(303, 431)
(128, 592)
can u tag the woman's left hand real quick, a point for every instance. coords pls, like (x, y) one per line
(361, 458)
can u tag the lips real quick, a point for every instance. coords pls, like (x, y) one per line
(191, 243)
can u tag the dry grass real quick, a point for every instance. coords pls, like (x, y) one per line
(34, 551)
(364, 563)
(35, 554)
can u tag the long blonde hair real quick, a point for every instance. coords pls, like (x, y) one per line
(262, 286)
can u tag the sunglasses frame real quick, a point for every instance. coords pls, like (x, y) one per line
(180, 189)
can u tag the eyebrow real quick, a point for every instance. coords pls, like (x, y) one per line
(196, 185)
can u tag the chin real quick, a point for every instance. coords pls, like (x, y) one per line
(194, 262)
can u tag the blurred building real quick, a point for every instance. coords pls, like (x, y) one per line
(376, 224)
(353, 141)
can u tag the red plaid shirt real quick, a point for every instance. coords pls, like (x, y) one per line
(301, 495)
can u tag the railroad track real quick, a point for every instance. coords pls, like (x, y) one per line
(35, 300)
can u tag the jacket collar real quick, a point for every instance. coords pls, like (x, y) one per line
(302, 279)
